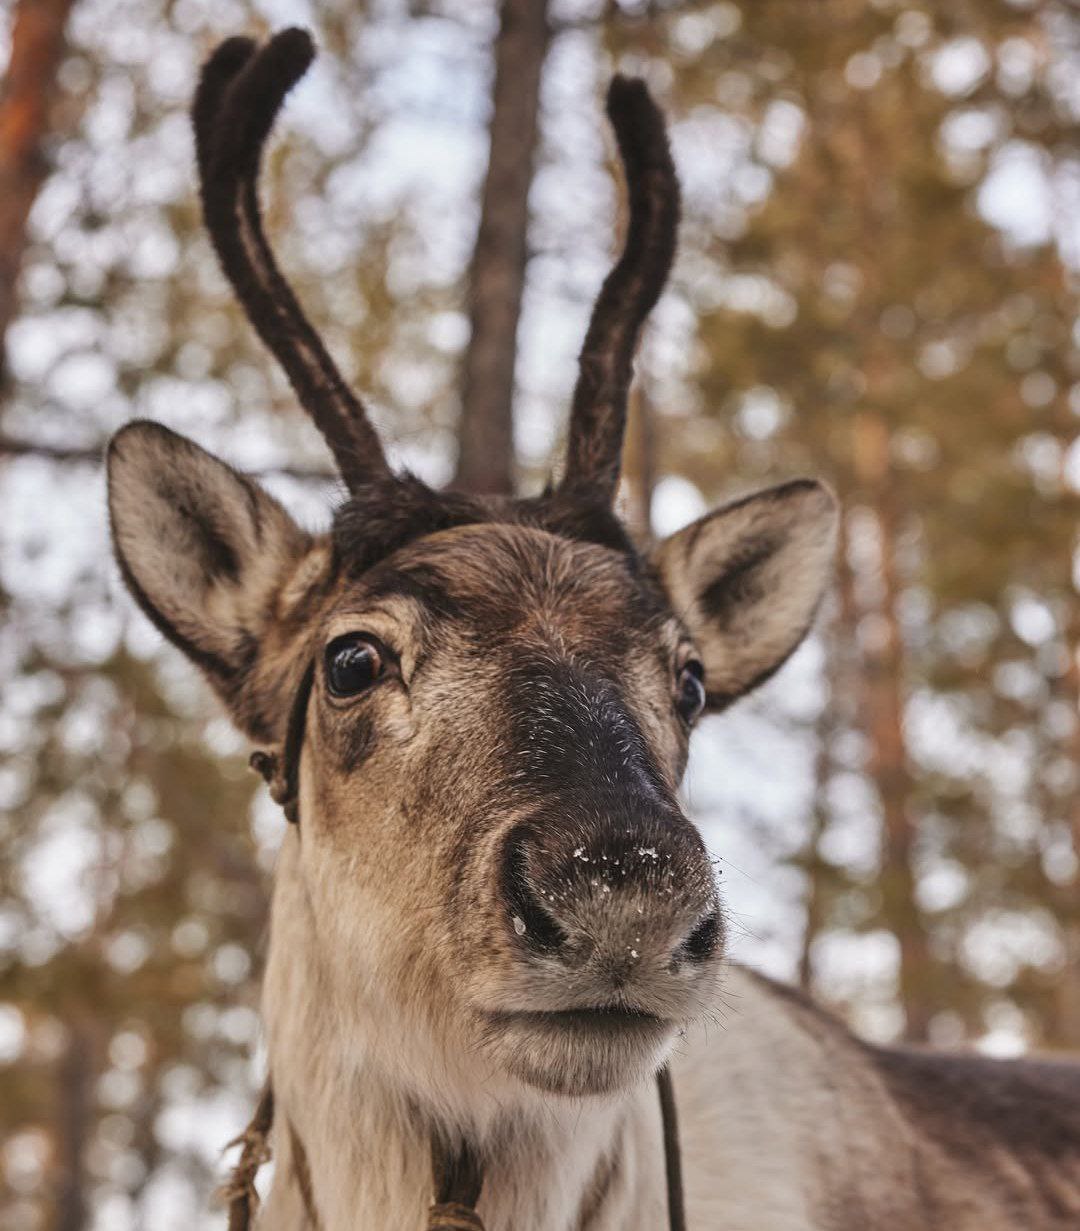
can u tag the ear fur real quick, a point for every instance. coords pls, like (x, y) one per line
(747, 579)
(203, 550)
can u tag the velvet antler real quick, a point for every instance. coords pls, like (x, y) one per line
(240, 94)
(598, 415)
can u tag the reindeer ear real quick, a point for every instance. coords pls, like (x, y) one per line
(203, 549)
(747, 579)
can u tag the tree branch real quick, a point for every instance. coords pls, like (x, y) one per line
(497, 271)
(95, 455)
(37, 45)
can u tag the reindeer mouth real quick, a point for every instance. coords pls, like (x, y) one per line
(591, 1020)
(593, 1049)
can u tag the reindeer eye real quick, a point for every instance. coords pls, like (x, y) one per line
(353, 663)
(690, 691)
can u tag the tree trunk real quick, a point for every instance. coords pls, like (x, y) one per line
(882, 709)
(74, 1110)
(1065, 1021)
(497, 273)
(837, 714)
(37, 44)
(814, 867)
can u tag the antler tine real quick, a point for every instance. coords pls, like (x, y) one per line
(598, 415)
(239, 96)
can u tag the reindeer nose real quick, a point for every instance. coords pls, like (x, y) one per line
(617, 896)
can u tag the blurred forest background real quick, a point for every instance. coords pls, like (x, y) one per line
(877, 284)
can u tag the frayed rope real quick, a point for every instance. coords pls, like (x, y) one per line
(243, 1199)
(240, 1192)
(453, 1217)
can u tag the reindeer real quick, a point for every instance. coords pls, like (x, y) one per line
(492, 921)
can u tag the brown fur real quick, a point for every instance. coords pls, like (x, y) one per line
(493, 921)
(491, 862)
(398, 1000)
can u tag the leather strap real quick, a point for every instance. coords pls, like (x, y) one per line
(672, 1153)
(302, 1173)
(282, 773)
(457, 1177)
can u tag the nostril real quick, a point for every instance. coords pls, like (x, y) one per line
(702, 941)
(529, 918)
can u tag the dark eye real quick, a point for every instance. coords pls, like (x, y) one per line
(353, 663)
(690, 691)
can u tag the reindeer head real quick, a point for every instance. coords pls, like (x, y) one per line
(479, 708)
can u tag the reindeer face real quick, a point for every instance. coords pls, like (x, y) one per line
(497, 729)
(480, 709)
(489, 724)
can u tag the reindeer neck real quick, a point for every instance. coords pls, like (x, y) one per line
(352, 1125)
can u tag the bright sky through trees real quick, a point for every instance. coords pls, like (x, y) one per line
(876, 284)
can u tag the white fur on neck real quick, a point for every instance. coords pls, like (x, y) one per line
(364, 1094)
